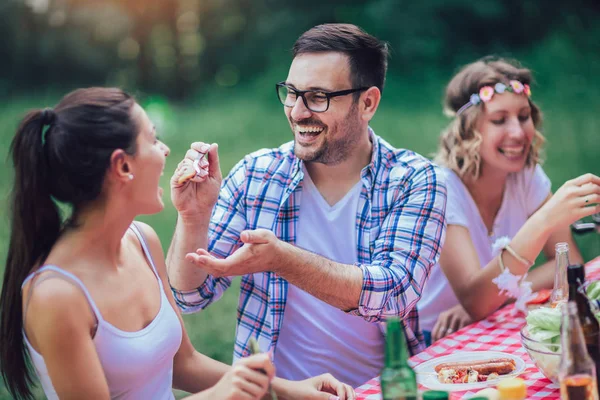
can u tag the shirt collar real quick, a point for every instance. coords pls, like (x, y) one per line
(375, 156)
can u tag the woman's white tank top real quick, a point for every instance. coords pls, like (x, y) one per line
(137, 365)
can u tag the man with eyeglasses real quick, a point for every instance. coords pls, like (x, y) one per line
(332, 232)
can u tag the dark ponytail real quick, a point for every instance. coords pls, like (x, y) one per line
(62, 154)
(33, 210)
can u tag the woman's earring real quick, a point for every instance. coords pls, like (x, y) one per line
(130, 176)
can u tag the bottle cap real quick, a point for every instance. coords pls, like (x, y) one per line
(575, 273)
(512, 388)
(435, 395)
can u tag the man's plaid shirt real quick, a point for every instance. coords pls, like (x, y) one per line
(400, 227)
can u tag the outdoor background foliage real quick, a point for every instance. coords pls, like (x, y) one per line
(205, 70)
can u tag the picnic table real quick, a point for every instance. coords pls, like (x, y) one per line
(498, 332)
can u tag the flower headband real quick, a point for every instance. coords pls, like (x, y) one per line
(487, 92)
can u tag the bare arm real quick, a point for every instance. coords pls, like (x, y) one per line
(195, 289)
(194, 200)
(473, 284)
(339, 285)
(189, 235)
(59, 326)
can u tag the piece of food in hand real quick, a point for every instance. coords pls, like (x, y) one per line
(475, 371)
(187, 173)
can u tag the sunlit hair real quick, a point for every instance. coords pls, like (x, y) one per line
(460, 142)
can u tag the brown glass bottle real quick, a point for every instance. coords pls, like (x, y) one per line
(577, 372)
(589, 323)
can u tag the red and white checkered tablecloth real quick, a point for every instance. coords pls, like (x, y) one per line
(498, 332)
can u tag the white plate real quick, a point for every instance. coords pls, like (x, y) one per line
(427, 377)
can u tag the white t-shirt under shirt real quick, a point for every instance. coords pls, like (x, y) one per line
(316, 337)
(524, 193)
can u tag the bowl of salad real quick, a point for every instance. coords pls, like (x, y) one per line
(544, 353)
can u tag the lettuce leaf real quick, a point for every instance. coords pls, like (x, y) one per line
(544, 318)
(543, 335)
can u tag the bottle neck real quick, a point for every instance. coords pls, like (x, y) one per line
(562, 257)
(583, 306)
(396, 353)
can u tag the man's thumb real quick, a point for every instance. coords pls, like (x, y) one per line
(254, 237)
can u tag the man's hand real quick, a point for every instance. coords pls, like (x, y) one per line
(450, 321)
(262, 251)
(339, 285)
(321, 387)
(197, 196)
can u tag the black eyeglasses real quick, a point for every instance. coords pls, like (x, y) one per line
(315, 100)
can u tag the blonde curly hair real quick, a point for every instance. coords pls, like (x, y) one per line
(460, 141)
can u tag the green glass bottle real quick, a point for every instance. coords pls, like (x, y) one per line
(398, 380)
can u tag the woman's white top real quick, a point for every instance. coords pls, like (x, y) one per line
(524, 193)
(137, 365)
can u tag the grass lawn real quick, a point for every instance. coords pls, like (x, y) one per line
(410, 116)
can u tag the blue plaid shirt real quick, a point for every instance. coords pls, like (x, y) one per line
(400, 227)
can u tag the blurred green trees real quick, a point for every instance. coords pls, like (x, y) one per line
(178, 47)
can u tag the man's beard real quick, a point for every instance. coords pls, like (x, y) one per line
(332, 152)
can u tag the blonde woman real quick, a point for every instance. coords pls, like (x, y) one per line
(500, 212)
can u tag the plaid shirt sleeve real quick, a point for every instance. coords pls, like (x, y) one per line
(408, 245)
(227, 223)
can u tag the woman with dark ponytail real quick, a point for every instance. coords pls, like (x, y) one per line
(85, 302)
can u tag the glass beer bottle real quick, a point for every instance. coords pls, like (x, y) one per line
(577, 371)
(589, 323)
(560, 292)
(398, 380)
